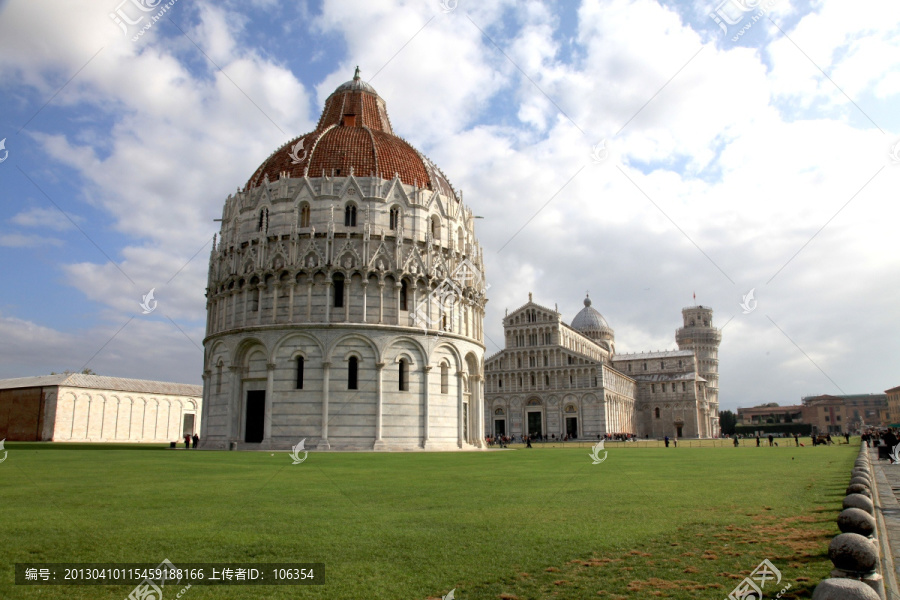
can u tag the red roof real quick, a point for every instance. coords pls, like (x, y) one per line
(354, 134)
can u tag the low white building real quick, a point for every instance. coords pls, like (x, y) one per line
(92, 408)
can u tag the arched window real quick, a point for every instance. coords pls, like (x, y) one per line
(352, 373)
(546, 380)
(500, 383)
(404, 289)
(435, 227)
(460, 239)
(300, 362)
(404, 375)
(304, 215)
(263, 223)
(532, 380)
(395, 218)
(657, 412)
(350, 215)
(445, 378)
(338, 280)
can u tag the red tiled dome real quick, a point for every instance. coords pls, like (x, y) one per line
(353, 134)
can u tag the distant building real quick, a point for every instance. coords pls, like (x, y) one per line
(770, 415)
(556, 380)
(93, 408)
(892, 412)
(848, 413)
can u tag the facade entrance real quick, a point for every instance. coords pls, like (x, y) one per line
(256, 414)
(572, 427)
(535, 427)
(500, 427)
(678, 430)
(188, 428)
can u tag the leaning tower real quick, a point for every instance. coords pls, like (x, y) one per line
(699, 335)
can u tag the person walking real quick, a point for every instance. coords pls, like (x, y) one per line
(196, 440)
(771, 439)
(667, 441)
(796, 440)
(735, 441)
(187, 440)
(757, 441)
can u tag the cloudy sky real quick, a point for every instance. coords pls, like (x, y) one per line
(637, 149)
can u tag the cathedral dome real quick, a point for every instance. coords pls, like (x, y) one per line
(589, 319)
(353, 136)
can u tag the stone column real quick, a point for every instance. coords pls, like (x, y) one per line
(381, 302)
(347, 283)
(291, 302)
(478, 400)
(329, 286)
(244, 311)
(397, 287)
(365, 289)
(379, 403)
(204, 410)
(426, 441)
(259, 303)
(270, 397)
(309, 289)
(233, 417)
(275, 294)
(233, 320)
(326, 383)
(459, 394)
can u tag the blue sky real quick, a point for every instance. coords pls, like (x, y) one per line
(735, 163)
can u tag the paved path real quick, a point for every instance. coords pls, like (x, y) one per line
(887, 513)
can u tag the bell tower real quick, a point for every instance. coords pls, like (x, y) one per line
(699, 335)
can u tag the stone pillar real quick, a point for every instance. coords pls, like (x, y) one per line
(478, 400)
(291, 302)
(309, 300)
(204, 410)
(397, 287)
(244, 311)
(379, 403)
(381, 302)
(275, 294)
(347, 283)
(329, 287)
(426, 441)
(270, 397)
(259, 303)
(233, 417)
(459, 394)
(233, 320)
(326, 383)
(365, 288)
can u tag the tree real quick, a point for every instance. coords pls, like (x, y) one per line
(727, 421)
(84, 371)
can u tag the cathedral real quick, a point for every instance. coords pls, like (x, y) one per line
(345, 297)
(555, 380)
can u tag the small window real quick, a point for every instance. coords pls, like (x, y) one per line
(532, 380)
(435, 227)
(299, 372)
(263, 223)
(662, 365)
(350, 216)
(500, 383)
(546, 380)
(304, 215)
(353, 373)
(404, 289)
(404, 375)
(657, 412)
(652, 388)
(395, 218)
(445, 378)
(645, 366)
(683, 386)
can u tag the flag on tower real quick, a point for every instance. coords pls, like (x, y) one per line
(695, 296)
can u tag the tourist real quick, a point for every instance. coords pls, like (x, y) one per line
(196, 440)
(736, 441)
(667, 441)
(797, 440)
(187, 440)
(770, 440)
(675, 441)
(757, 441)
(528, 442)
(847, 437)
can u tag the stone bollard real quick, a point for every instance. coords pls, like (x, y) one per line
(861, 480)
(861, 502)
(856, 557)
(855, 520)
(856, 488)
(843, 589)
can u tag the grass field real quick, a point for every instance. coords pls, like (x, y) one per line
(681, 523)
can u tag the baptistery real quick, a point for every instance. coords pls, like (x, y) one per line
(346, 297)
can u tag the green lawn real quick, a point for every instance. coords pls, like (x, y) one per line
(541, 523)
